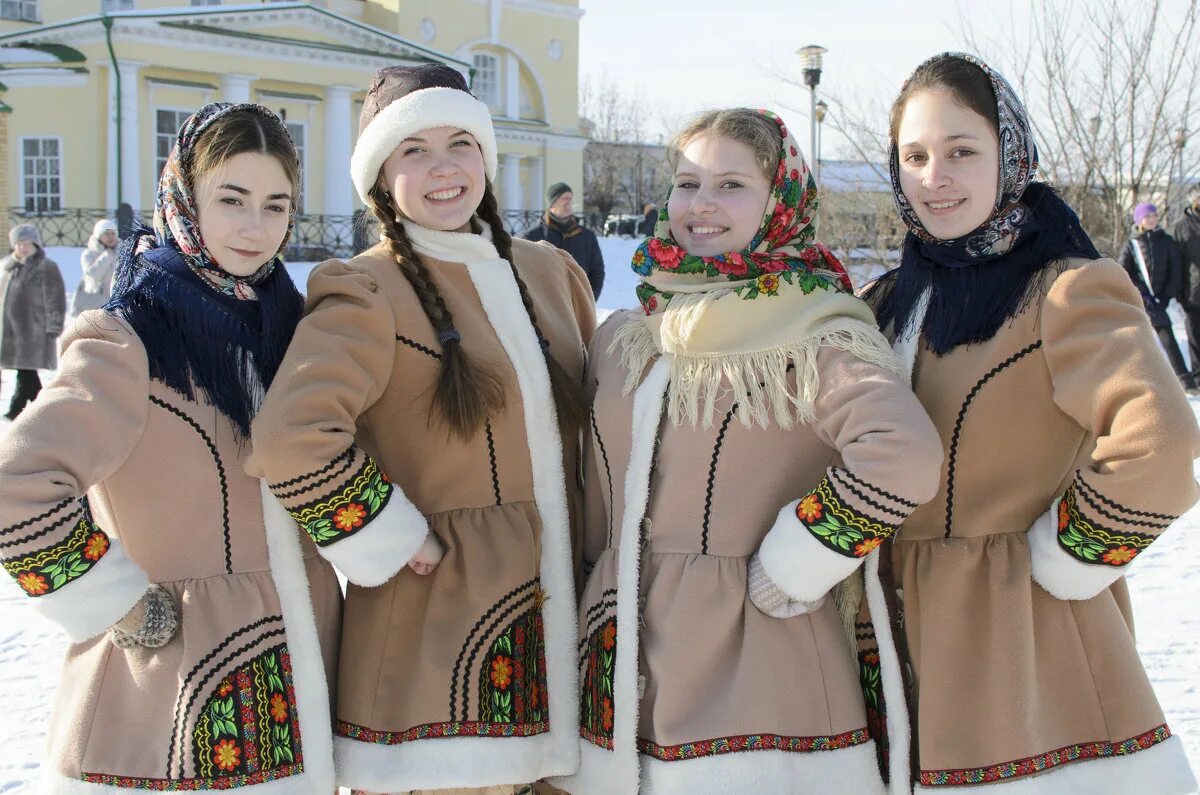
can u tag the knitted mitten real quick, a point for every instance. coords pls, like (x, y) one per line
(770, 598)
(151, 623)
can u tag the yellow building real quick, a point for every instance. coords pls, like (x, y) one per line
(98, 88)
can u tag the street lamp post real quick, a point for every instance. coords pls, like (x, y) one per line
(810, 61)
(820, 109)
(1181, 137)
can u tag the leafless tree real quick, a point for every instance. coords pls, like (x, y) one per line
(621, 170)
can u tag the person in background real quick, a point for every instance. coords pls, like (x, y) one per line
(1153, 263)
(97, 262)
(32, 303)
(562, 229)
(650, 213)
(1187, 238)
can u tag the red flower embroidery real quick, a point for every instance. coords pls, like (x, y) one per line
(608, 714)
(279, 708)
(225, 689)
(1064, 516)
(97, 545)
(350, 517)
(667, 256)
(810, 508)
(732, 265)
(795, 173)
(792, 149)
(502, 672)
(608, 637)
(871, 658)
(225, 754)
(651, 304)
(34, 584)
(1119, 556)
(867, 546)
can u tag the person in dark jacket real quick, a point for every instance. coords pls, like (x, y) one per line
(646, 228)
(33, 303)
(1187, 238)
(560, 228)
(1151, 259)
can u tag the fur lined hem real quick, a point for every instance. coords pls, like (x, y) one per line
(898, 730)
(799, 564)
(1162, 770)
(376, 553)
(451, 762)
(100, 598)
(1060, 574)
(52, 783)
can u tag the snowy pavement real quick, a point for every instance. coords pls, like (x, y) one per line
(1165, 583)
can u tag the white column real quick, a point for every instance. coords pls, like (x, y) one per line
(339, 195)
(236, 87)
(510, 181)
(131, 149)
(494, 9)
(537, 183)
(512, 86)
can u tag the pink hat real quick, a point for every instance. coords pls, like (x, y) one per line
(1142, 210)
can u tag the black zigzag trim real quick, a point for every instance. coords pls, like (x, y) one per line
(1088, 493)
(418, 346)
(607, 473)
(962, 416)
(212, 449)
(176, 726)
(463, 650)
(846, 473)
(286, 483)
(592, 623)
(491, 443)
(877, 506)
(321, 481)
(1100, 510)
(712, 477)
(40, 517)
(598, 606)
(71, 517)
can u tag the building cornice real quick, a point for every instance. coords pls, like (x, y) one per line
(542, 7)
(508, 132)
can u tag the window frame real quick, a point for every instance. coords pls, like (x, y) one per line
(62, 191)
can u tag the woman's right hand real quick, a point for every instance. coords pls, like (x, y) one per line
(428, 556)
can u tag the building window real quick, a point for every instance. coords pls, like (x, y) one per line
(299, 133)
(166, 126)
(21, 10)
(41, 175)
(107, 6)
(206, 2)
(486, 82)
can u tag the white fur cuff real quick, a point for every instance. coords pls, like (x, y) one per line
(770, 598)
(420, 110)
(1057, 571)
(100, 598)
(798, 563)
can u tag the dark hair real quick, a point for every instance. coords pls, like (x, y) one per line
(966, 83)
(239, 131)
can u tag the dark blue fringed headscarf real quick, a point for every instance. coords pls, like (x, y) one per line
(204, 329)
(980, 281)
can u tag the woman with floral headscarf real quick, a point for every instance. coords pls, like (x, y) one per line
(751, 444)
(1068, 445)
(203, 623)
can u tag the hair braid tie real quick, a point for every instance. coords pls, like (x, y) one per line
(449, 335)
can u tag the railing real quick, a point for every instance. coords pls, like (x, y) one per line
(315, 237)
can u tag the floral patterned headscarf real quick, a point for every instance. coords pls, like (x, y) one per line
(175, 218)
(784, 250)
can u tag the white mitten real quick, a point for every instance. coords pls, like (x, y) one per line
(770, 598)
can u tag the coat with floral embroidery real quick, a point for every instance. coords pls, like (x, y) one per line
(111, 481)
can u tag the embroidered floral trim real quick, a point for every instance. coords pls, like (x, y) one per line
(51, 569)
(193, 784)
(1089, 542)
(1042, 762)
(427, 731)
(753, 742)
(596, 698)
(250, 723)
(348, 511)
(512, 678)
(870, 678)
(837, 526)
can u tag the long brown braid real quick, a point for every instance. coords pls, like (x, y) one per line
(465, 394)
(567, 391)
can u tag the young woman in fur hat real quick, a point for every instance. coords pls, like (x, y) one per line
(1068, 444)
(204, 624)
(752, 443)
(422, 431)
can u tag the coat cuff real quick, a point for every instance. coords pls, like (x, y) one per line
(85, 583)
(367, 527)
(818, 541)
(1073, 557)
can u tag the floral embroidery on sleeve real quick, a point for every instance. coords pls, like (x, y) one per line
(837, 526)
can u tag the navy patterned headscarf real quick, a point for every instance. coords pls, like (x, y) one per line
(205, 330)
(980, 281)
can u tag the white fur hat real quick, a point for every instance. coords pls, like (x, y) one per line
(381, 132)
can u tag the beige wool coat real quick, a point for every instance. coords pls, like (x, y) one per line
(1068, 449)
(111, 481)
(686, 686)
(464, 677)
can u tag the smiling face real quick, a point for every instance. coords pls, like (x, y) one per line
(949, 159)
(242, 207)
(718, 197)
(436, 178)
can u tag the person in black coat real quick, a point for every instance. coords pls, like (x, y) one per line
(1151, 259)
(1187, 238)
(646, 228)
(561, 229)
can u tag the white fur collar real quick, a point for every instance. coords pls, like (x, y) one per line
(450, 246)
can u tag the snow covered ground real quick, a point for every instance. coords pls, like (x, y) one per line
(1165, 583)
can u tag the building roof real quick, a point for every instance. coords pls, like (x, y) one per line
(855, 176)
